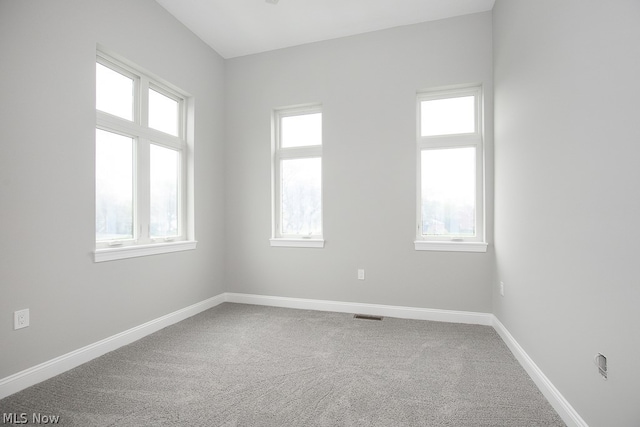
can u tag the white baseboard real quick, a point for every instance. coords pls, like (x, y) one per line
(49, 369)
(53, 367)
(361, 308)
(555, 398)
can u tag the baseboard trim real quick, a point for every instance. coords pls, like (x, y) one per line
(49, 369)
(416, 313)
(31, 376)
(553, 395)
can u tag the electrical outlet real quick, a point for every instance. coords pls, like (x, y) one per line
(502, 288)
(601, 362)
(360, 274)
(21, 319)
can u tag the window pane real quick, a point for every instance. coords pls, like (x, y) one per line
(114, 186)
(448, 192)
(164, 191)
(447, 116)
(114, 92)
(301, 131)
(301, 204)
(163, 113)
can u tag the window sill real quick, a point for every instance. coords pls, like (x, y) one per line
(424, 245)
(297, 243)
(112, 254)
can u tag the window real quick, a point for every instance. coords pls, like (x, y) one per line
(450, 196)
(140, 164)
(297, 177)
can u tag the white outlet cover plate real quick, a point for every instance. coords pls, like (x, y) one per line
(21, 319)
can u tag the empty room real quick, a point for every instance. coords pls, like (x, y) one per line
(322, 213)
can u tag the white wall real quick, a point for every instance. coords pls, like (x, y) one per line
(47, 122)
(567, 207)
(367, 85)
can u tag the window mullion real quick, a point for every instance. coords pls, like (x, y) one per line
(163, 139)
(115, 124)
(143, 102)
(299, 153)
(449, 141)
(143, 200)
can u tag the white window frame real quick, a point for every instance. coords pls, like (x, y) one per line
(142, 244)
(278, 153)
(476, 243)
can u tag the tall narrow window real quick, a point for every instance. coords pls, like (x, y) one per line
(141, 146)
(297, 177)
(450, 197)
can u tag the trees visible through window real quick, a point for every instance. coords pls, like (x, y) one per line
(297, 171)
(140, 158)
(450, 166)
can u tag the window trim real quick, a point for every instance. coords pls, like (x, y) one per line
(279, 153)
(142, 244)
(111, 254)
(297, 243)
(474, 139)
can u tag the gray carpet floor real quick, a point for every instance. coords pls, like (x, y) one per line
(243, 365)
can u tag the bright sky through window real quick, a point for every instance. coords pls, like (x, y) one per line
(114, 186)
(447, 116)
(164, 176)
(163, 113)
(114, 92)
(301, 130)
(301, 196)
(449, 191)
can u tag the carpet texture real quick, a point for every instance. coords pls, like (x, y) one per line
(243, 365)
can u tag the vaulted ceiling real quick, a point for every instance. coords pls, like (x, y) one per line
(243, 27)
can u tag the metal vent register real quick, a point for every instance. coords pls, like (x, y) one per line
(366, 317)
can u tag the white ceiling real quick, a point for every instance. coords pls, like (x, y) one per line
(243, 27)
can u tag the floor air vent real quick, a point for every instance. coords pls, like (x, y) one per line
(366, 317)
